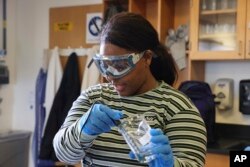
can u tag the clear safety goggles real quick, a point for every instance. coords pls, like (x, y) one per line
(117, 66)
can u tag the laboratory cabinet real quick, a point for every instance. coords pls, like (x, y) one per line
(160, 13)
(219, 30)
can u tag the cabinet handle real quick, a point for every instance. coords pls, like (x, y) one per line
(190, 45)
(248, 47)
(240, 48)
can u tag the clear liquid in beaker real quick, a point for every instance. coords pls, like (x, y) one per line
(135, 131)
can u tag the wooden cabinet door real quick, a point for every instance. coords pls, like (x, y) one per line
(217, 33)
(247, 54)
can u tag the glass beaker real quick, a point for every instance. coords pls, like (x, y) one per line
(135, 131)
(203, 5)
(224, 4)
(213, 4)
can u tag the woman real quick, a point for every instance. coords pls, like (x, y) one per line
(140, 73)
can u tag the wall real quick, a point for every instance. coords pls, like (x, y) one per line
(7, 91)
(236, 70)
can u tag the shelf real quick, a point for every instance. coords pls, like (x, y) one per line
(214, 12)
(217, 36)
(222, 39)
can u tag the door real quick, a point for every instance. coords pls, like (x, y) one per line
(248, 31)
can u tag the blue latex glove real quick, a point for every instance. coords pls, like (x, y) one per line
(161, 149)
(100, 120)
(247, 148)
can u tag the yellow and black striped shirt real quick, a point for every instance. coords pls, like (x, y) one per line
(164, 107)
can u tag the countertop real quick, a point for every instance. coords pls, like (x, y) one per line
(10, 135)
(229, 137)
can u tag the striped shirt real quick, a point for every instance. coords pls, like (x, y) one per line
(164, 107)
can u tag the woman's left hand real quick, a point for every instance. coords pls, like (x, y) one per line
(160, 148)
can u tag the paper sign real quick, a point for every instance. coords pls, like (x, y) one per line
(94, 22)
(65, 26)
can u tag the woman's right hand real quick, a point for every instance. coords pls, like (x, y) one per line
(100, 120)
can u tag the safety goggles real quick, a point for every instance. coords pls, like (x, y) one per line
(117, 66)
